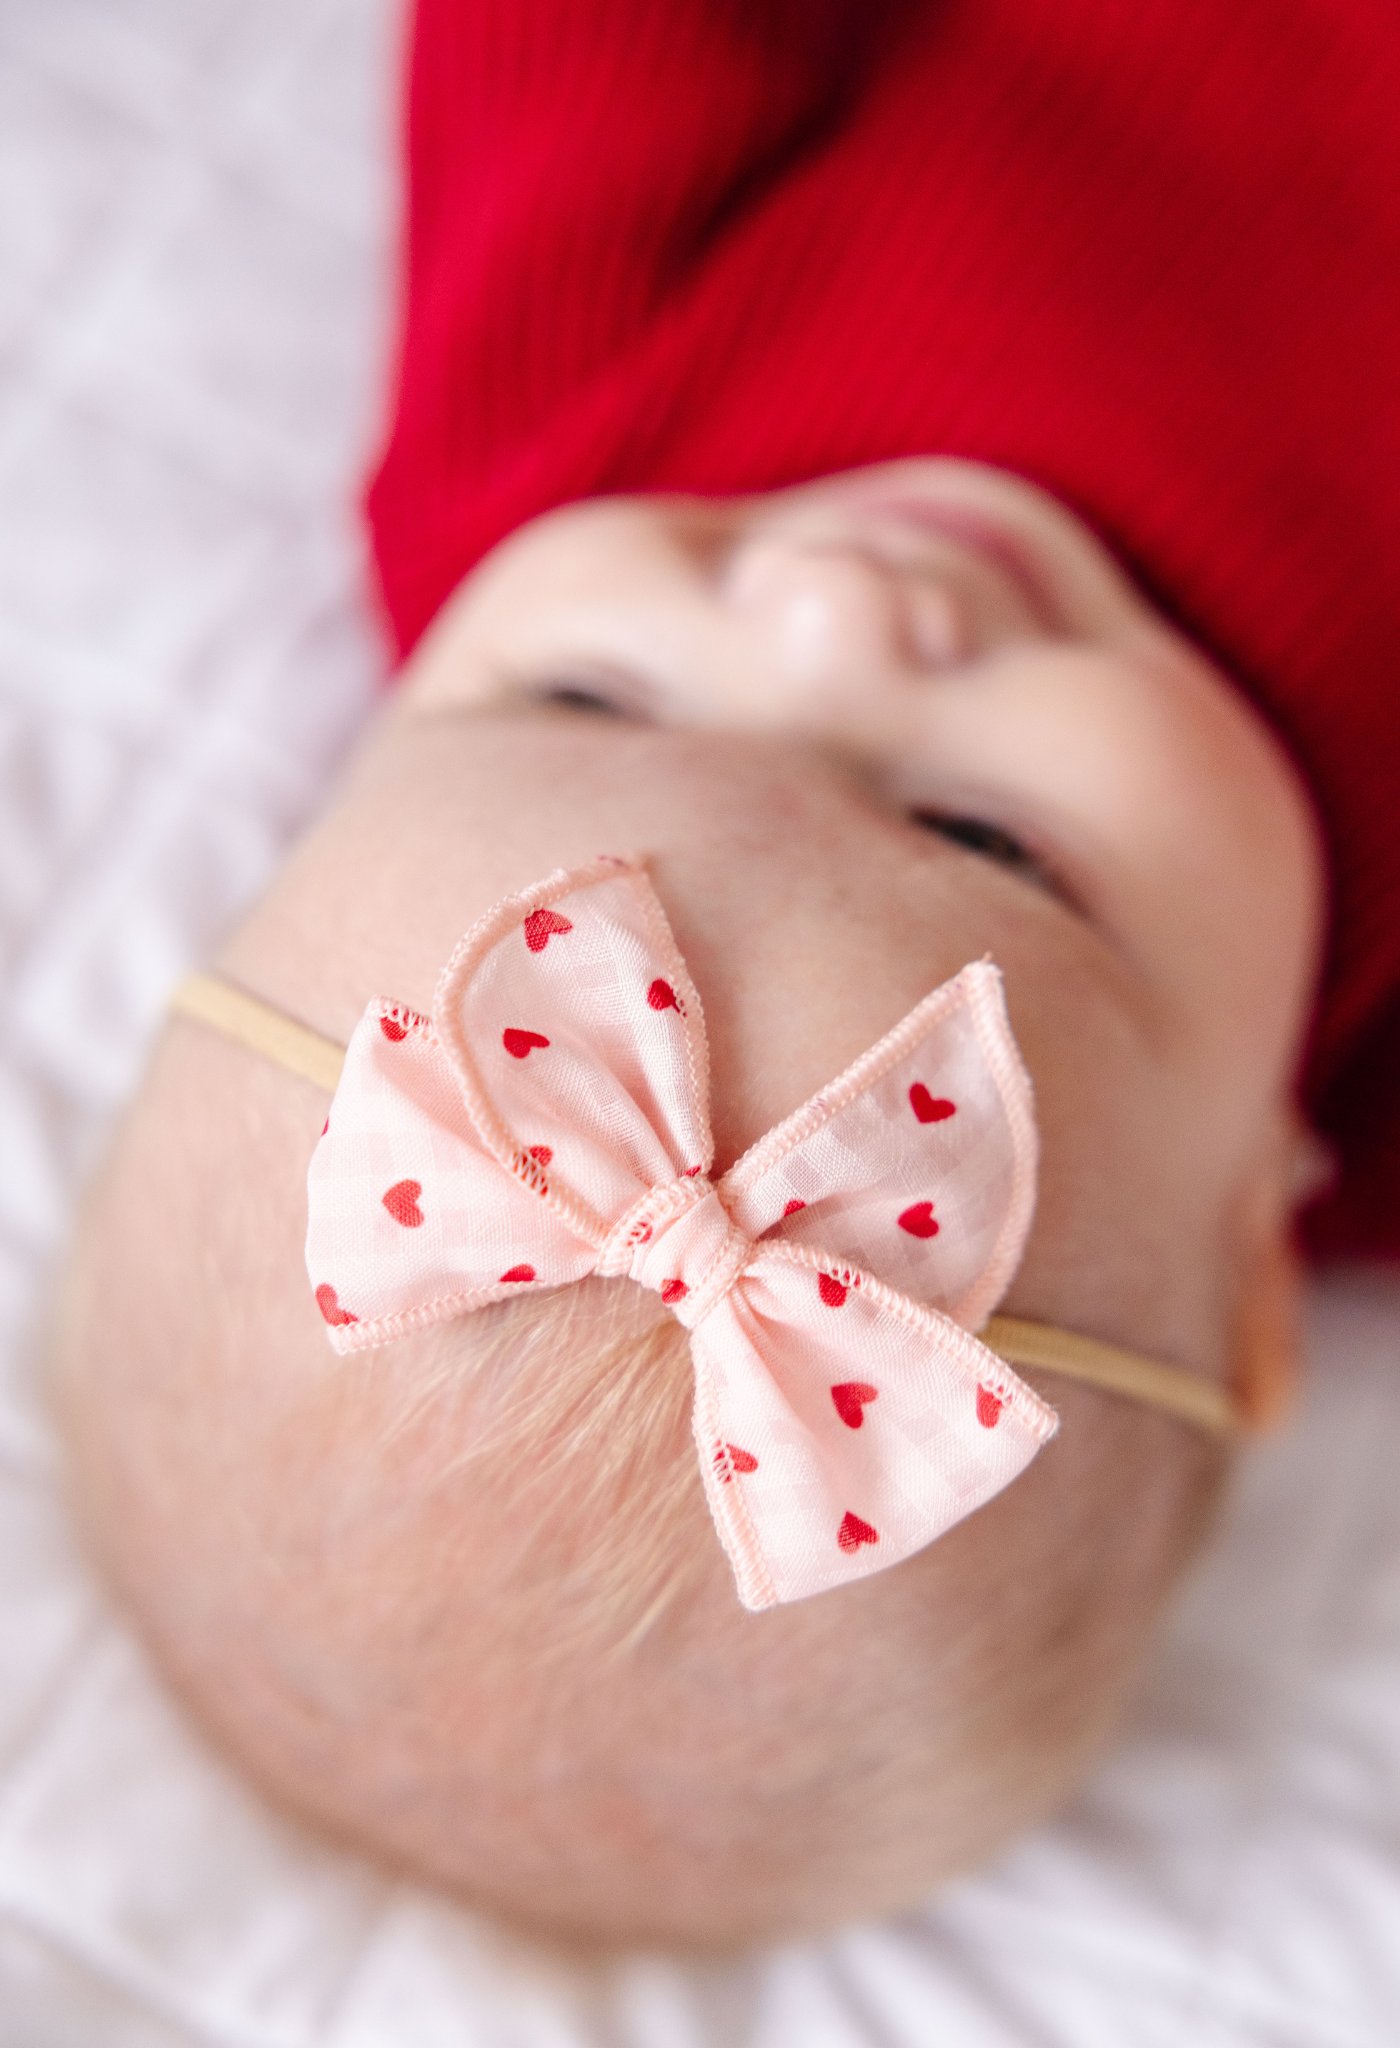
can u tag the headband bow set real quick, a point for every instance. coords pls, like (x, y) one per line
(551, 1121)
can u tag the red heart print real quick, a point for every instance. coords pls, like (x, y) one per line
(392, 1031)
(989, 1407)
(662, 996)
(673, 1290)
(330, 1308)
(540, 927)
(542, 1153)
(737, 1461)
(919, 1220)
(519, 1273)
(830, 1290)
(850, 1399)
(793, 1206)
(690, 1172)
(930, 1109)
(853, 1532)
(520, 1044)
(401, 1200)
(325, 1127)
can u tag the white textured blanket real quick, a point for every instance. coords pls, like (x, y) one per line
(195, 206)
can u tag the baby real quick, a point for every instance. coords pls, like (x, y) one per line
(458, 1598)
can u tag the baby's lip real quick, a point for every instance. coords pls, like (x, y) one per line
(985, 535)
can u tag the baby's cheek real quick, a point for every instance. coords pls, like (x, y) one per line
(1127, 1241)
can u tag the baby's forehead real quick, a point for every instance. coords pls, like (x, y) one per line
(810, 921)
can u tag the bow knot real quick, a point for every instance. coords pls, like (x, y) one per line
(634, 1236)
(694, 1252)
(682, 1243)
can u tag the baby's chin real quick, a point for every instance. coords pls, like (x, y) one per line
(459, 1605)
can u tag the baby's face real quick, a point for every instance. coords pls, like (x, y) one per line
(865, 731)
(862, 733)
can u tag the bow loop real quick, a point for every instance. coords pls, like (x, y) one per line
(918, 1164)
(570, 1018)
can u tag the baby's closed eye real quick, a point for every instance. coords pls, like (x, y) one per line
(590, 693)
(579, 696)
(978, 836)
(993, 842)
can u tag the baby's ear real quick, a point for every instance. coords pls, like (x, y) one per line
(1267, 1330)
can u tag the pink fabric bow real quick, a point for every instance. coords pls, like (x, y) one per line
(552, 1120)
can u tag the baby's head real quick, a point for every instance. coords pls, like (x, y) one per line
(459, 1599)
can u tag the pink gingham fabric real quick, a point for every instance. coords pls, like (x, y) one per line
(551, 1120)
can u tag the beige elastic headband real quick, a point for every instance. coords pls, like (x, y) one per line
(208, 999)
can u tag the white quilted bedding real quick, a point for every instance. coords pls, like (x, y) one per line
(195, 205)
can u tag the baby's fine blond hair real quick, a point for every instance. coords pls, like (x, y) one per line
(459, 1602)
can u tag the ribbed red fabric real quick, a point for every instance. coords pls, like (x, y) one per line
(1146, 252)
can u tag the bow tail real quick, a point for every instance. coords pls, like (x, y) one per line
(842, 1427)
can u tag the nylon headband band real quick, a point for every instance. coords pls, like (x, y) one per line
(224, 1007)
(208, 999)
(1169, 1387)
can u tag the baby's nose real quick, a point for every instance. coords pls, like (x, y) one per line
(834, 615)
